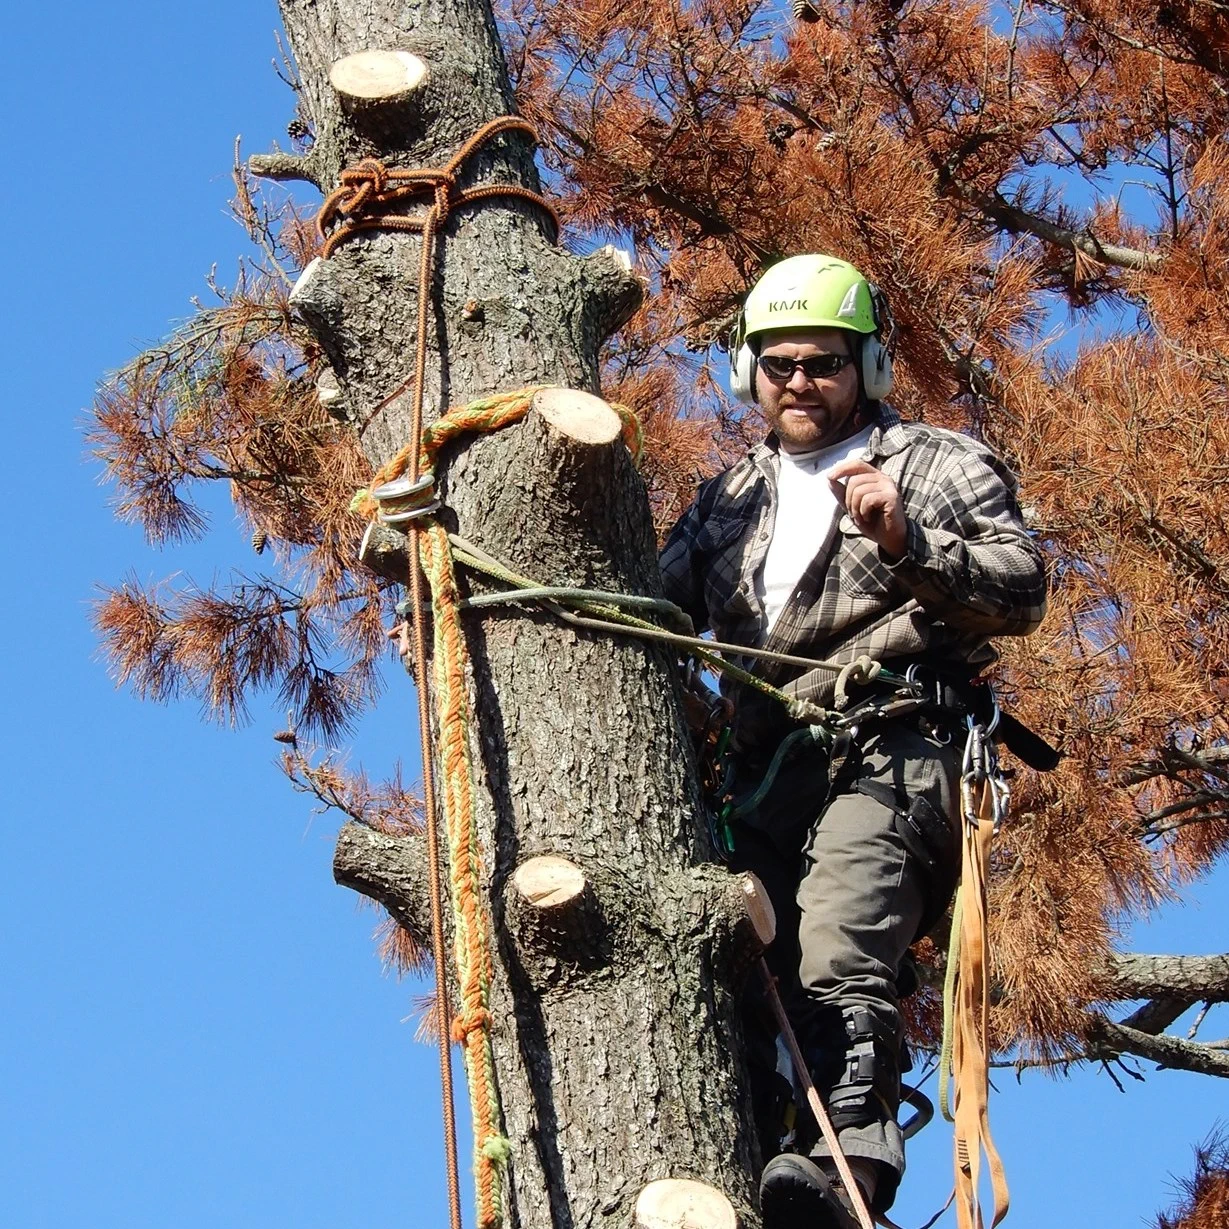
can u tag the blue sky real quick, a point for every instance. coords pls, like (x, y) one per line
(196, 1031)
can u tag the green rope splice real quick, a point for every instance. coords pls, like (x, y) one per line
(497, 1148)
(949, 1006)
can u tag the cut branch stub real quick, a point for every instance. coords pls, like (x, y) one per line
(553, 913)
(760, 913)
(550, 884)
(580, 416)
(318, 300)
(376, 78)
(681, 1203)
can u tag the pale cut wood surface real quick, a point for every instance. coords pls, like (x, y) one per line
(374, 76)
(579, 415)
(549, 882)
(682, 1203)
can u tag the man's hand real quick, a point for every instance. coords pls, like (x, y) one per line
(873, 502)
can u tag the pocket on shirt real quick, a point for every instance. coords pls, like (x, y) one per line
(862, 572)
(723, 544)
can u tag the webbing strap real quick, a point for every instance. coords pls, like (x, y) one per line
(970, 1041)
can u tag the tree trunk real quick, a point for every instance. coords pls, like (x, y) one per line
(618, 949)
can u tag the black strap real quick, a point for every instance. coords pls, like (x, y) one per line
(1027, 745)
(960, 697)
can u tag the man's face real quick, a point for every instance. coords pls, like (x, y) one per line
(808, 413)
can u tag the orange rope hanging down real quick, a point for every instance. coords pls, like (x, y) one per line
(471, 1027)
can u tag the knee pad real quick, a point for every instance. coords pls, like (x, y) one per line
(855, 1063)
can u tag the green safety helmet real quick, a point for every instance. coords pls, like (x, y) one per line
(815, 291)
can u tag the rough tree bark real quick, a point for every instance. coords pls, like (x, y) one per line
(613, 997)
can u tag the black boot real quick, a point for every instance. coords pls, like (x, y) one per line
(796, 1194)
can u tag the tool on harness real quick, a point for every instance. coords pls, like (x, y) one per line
(945, 702)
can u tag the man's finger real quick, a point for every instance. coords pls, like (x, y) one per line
(845, 490)
(851, 465)
(859, 486)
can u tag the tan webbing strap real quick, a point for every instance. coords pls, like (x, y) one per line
(970, 1053)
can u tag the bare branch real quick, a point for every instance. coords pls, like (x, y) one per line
(284, 167)
(1004, 214)
(1195, 978)
(1156, 1015)
(1172, 760)
(392, 870)
(1107, 1040)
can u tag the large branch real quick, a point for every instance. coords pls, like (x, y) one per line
(1201, 979)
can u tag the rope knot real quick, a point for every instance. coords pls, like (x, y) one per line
(365, 179)
(446, 195)
(864, 669)
(368, 191)
(470, 1022)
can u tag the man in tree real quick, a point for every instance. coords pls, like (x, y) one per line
(847, 533)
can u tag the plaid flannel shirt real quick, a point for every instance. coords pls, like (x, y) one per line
(970, 570)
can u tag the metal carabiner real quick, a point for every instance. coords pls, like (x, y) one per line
(994, 720)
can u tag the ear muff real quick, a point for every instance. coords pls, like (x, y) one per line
(876, 368)
(876, 356)
(742, 364)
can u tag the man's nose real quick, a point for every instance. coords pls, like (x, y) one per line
(798, 382)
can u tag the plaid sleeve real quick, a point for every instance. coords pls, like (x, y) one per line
(969, 561)
(680, 574)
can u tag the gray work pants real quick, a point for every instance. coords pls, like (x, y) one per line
(849, 897)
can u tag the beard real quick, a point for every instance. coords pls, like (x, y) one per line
(803, 426)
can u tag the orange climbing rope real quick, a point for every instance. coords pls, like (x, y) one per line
(472, 1024)
(369, 189)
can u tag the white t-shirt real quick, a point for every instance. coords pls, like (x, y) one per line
(806, 511)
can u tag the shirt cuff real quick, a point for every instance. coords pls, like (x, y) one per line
(916, 550)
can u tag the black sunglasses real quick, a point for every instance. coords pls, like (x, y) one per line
(816, 367)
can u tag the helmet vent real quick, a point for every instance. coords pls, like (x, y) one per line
(849, 304)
